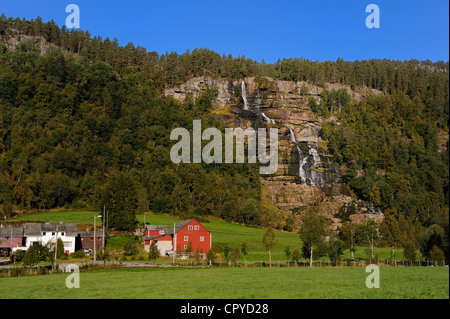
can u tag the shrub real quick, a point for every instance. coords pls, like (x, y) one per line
(409, 251)
(129, 249)
(78, 254)
(19, 254)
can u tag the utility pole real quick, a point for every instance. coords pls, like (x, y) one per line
(103, 220)
(95, 239)
(56, 244)
(95, 252)
(11, 240)
(174, 243)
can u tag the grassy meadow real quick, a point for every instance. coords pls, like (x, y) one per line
(236, 283)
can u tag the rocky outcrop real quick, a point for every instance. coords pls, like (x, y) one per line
(306, 177)
(199, 84)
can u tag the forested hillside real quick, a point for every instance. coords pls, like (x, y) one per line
(86, 119)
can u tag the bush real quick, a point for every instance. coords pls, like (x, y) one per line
(78, 254)
(19, 254)
(210, 256)
(436, 254)
(130, 249)
(35, 254)
(409, 251)
(154, 252)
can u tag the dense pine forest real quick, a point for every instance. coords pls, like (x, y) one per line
(86, 122)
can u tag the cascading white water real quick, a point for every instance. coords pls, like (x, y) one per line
(302, 159)
(316, 178)
(293, 140)
(244, 95)
(267, 119)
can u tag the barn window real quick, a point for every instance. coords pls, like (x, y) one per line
(185, 246)
(196, 227)
(190, 227)
(186, 238)
(202, 238)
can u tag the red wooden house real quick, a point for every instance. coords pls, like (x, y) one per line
(155, 230)
(185, 233)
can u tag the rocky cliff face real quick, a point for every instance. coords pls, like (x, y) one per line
(306, 174)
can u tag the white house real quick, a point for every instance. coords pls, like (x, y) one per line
(47, 234)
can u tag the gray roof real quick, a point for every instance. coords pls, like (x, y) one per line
(6, 232)
(35, 229)
(154, 236)
(156, 227)
(90, 233)
(179, 226)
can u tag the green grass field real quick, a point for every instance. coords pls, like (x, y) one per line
(223, 234)
(83, 217)
(239, 283)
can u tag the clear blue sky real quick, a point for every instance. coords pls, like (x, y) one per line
(316, 30)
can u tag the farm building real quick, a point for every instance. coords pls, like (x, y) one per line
(47, 233)
(11, 238)
(85, 240)
(178, 238)
(155, 230)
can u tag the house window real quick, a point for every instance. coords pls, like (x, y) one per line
(189, 227)
(186, 238)
(43, 233)
(197, 227)
(161, 231)
(185, 246)
(62, 234)
(53, 233)
(202, 238)
(6, 238)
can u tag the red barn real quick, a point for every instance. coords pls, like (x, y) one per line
(188, 231)
(155, 230)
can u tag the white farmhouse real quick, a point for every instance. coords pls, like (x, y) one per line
(47, 234)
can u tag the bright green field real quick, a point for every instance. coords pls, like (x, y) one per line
(82, 217)
(223, 234)
(239, 283)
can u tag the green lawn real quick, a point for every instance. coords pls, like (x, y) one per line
(223, 234)
(81, 217)
(239, 283)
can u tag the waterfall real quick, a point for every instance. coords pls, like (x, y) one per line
(302, 159)
(267, 119)
(293, 140)
(310, 166)
(244, 95)
(316, 177)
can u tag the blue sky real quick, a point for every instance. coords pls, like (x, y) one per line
(316, 30)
